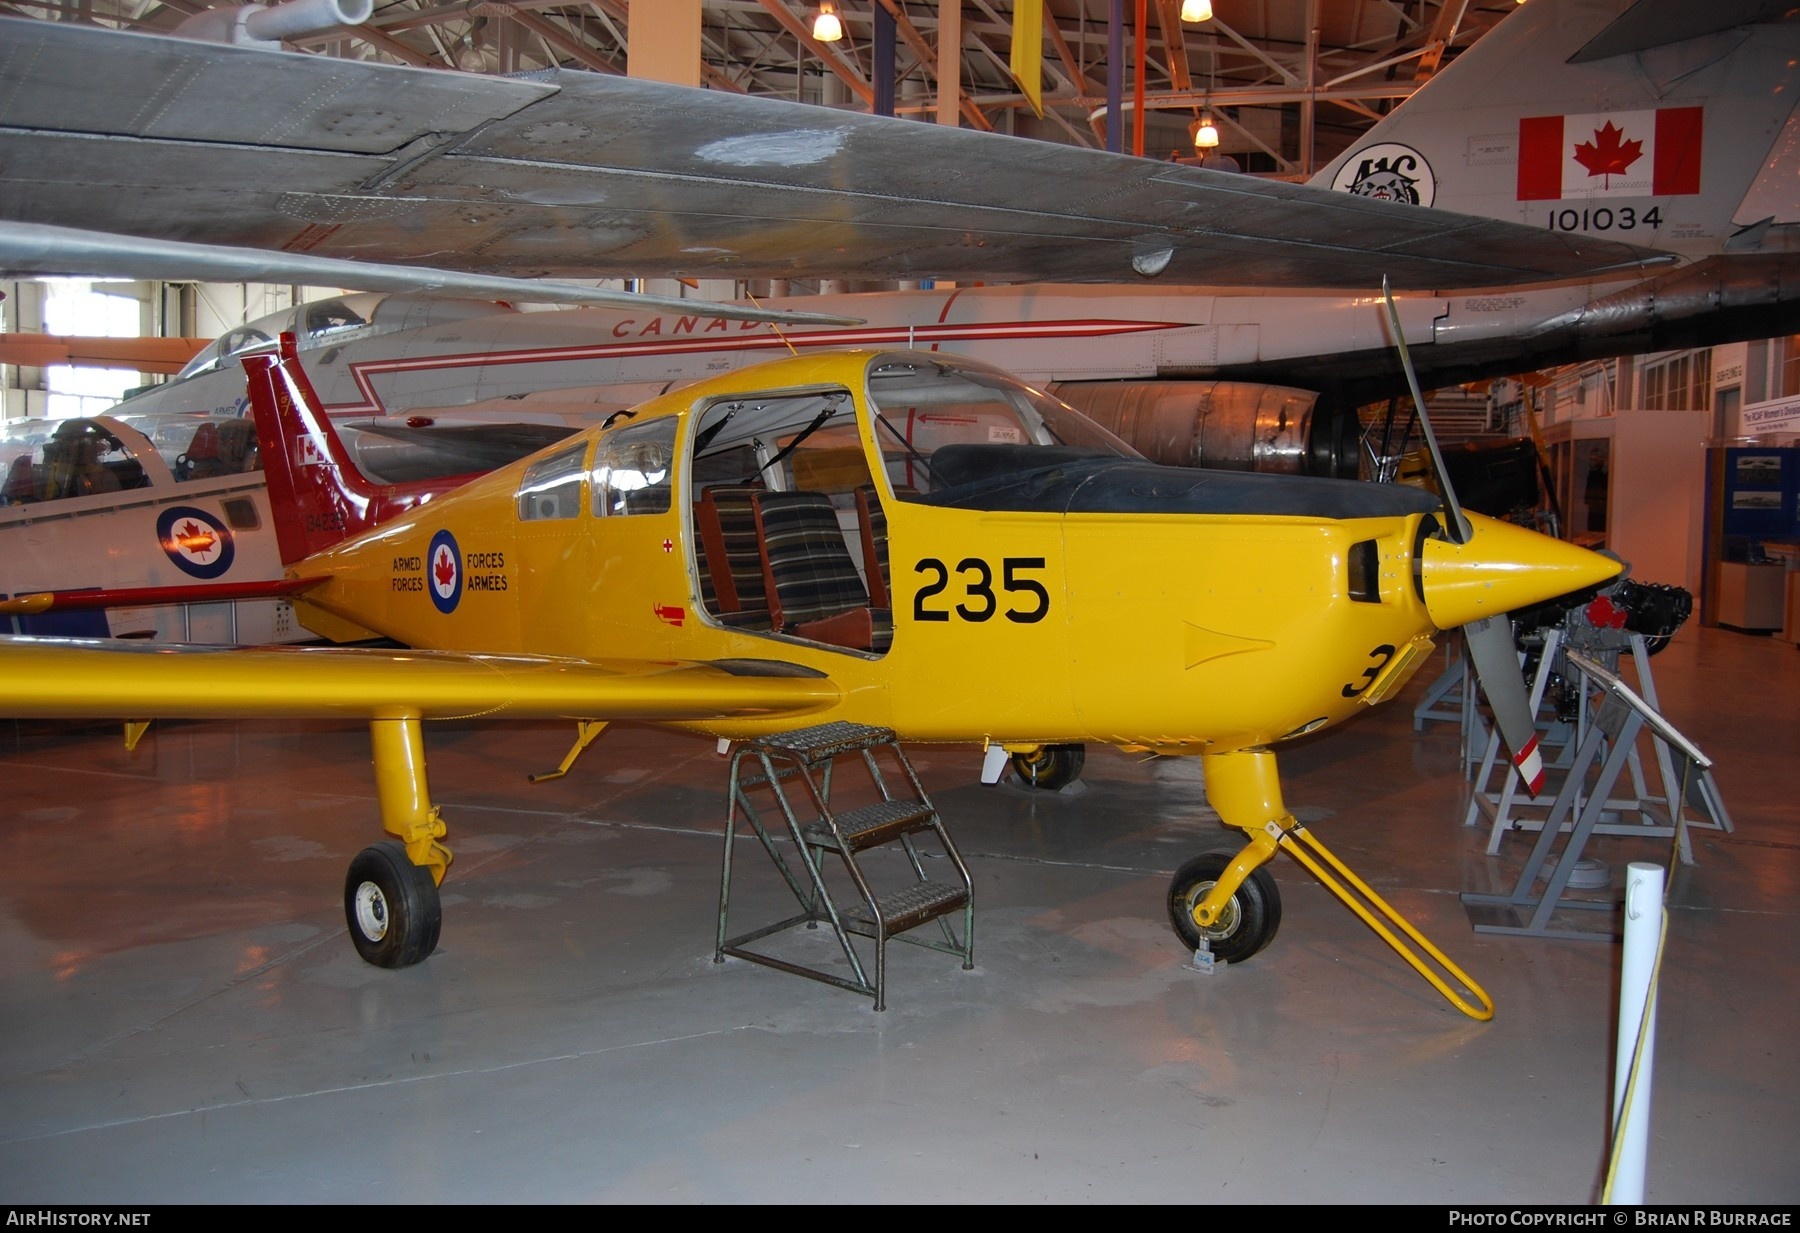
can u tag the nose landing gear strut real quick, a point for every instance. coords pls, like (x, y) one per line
(1228, 904)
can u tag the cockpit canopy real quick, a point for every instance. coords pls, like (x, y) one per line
(980, 418)
(319, 323)
(54, 460)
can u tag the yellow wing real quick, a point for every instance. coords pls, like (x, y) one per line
(64, 679)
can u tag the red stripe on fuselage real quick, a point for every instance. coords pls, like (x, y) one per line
(366, 372)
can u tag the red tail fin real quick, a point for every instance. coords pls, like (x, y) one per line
(317, 495)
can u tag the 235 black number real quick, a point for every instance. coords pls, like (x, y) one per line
(1029, 599)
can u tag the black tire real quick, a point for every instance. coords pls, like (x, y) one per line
(391, 906)
(1249, 921)
(1051, 768)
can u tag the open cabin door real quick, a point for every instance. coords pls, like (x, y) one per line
(788, 524)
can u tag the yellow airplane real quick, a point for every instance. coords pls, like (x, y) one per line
(901, 539)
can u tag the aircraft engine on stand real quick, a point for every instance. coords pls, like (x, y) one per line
(1599, 624)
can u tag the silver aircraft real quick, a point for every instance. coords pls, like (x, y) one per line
(1572, 126)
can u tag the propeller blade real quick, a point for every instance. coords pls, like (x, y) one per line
(1496, 660)
(1456, 526)
(1490, 639)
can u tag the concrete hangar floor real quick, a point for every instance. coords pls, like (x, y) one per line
(185, 1020)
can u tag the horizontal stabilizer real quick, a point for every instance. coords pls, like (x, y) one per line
(144, 597)
(1660, 23)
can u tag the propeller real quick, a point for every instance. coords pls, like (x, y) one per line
(1490, 639)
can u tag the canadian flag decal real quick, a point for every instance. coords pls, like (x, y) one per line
(1610, 154)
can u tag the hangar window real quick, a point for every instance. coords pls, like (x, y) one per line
(1678, 383)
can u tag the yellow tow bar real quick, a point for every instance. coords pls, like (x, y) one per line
(1243, 787)
(1377, 913)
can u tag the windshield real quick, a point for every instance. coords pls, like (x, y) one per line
(943, 423)
(226, 348)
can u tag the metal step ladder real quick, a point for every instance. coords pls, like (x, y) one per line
(878, 894)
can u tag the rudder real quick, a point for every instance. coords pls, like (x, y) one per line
(316, 494)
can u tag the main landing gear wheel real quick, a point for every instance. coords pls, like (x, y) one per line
(1051, 768)
(1249, 920)
(391, 906)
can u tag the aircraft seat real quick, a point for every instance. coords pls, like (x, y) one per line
(709, 590)
(871, 521)
(811, 580)
(92, 475)
(237, 446)
(201, 461)
(23, 483)
(733, 557)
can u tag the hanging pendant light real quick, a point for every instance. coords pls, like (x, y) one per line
(1196, 10)
(1206, 133)
(826, 26)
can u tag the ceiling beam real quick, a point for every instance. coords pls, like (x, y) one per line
(1084, 85)
(1443, 31)
(927, 57)
(1168, 17)
(577, 49)
(383, 41)
(858, 84)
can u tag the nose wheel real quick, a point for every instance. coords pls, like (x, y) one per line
(391, 906)
(1051, 768)
(1250, 917)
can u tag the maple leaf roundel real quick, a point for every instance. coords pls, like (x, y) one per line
(197, 542)
(444, 572)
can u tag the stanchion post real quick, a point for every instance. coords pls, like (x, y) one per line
(1633, 1069)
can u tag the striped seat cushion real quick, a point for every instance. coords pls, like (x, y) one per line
(808, 570)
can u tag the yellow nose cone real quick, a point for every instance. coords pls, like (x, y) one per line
(1503, 567)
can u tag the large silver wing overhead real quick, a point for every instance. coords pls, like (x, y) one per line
(55, 252)
(578, 174)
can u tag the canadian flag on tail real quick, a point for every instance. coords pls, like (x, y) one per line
(1610, 154)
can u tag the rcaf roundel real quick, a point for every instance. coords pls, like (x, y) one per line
(196, 541)
(444, 572)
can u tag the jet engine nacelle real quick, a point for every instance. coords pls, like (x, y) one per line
(1224, 425)
(252, 25)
